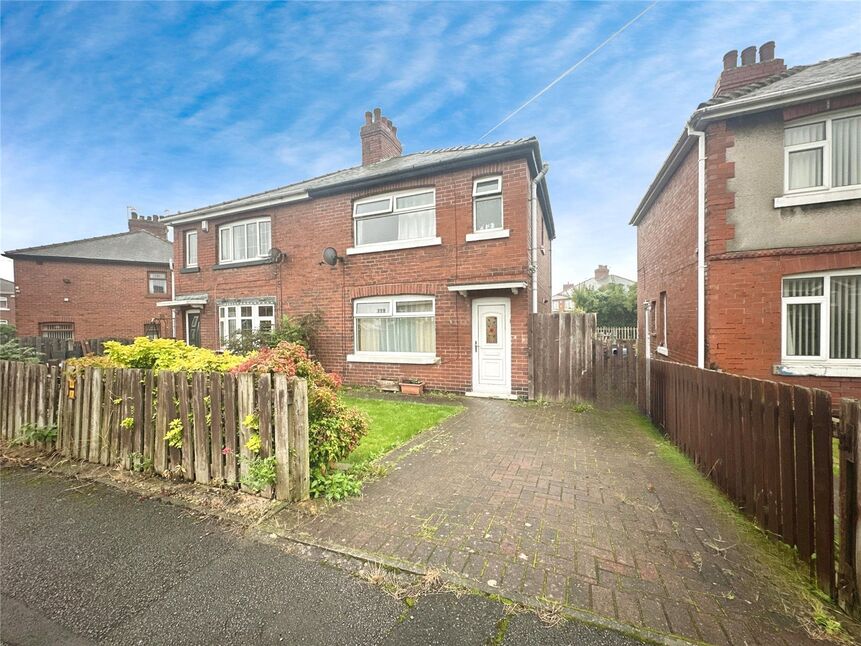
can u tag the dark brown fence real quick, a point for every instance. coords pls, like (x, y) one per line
(768, 446)
(568, 362)
(55, 350)
(121, 417)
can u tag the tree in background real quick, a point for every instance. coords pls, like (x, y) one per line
(615, 305)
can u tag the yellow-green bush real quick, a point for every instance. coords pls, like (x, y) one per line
(159, 354)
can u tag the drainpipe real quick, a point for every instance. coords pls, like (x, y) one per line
(647, 309)
(173, 298)
(534, 242)
(701, 244)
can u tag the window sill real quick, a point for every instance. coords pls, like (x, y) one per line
(244, 263)
(817, 370)
(817, 197)
(189, 270)
(392, 357)
(394, 245)
(662, 350)
(493, 234)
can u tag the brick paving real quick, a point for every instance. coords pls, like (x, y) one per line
(577, 508)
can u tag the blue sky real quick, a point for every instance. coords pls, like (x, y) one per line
(168, 106)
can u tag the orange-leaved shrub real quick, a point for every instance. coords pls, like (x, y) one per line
(335, 429)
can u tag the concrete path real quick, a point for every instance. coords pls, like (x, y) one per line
(544, 504)
(83, 563)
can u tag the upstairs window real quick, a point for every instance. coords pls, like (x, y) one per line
(157, 282)
(245, 240)
(822, 318)
(823, 154)
(4, 302)
(391, 219)
(191, 248)
(487, 204)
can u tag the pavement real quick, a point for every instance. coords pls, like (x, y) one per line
(85, 563)
(544, 504)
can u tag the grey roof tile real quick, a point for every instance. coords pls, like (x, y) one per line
(133, 246)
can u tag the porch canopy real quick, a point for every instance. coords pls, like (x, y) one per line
(188, 300)
(464, 290)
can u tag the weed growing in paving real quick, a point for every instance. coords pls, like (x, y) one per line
(335, 486)
(582, 407)
(261, 473)
(140, 463)
(30, 433)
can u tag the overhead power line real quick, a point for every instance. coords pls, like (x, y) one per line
(573, 67)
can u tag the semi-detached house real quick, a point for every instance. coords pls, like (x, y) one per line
(439, 257)
(749, 238)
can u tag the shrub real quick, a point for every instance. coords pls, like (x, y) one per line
(334, 428)
(159, 354)
(11, 350)
(301, 330)
(7, 332)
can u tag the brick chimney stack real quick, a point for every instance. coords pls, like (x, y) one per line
(379, 138)
(147, 223)
(602, 273)
(734, 77)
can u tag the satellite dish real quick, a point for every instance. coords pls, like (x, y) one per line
(330, 256)
(275, 254)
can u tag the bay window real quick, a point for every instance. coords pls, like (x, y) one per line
(245, 240)
(394, 329)
(395, 221)
(822, 319)
(822, 157)
(245, 317)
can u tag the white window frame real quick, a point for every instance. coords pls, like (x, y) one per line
(821, 364)
(4, 322)
(223, 259)
(393, 357)
(4, 302)
(189, 234)
(663, 348)
(483, 195)
(149, 283)
(391, 200)
(256, 319)
(826, 192)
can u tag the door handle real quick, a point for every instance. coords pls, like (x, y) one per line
(476, 346)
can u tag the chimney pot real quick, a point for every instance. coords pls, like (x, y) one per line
(369, 117)
(379, 138)
(377, 114)
(766, 52)
(730, 59)
(748, 56)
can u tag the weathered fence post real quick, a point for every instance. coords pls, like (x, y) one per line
(300, 476)
(848, 575)
(282, 440)
(245, 388)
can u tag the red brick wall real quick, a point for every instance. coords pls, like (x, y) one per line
(105, 299)
(301, 284)
(666, 261)
(744, 314)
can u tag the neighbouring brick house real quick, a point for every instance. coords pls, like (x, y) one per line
(562, 300)
(438, 258)
(764, 189)
(7, 302)
(94, 288)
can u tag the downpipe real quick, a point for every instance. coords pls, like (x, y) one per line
(534, 242)
(701, 244)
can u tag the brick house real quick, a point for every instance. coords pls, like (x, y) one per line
(561, 301)
(7, 302)
(764, 187)
(94, 288)
(437, 259)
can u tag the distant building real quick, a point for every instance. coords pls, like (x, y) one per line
(7, 302)
(603, 277)
(96, 287)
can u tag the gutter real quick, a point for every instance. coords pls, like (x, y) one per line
(701, 244)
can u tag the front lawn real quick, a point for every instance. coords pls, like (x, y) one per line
(393, 423)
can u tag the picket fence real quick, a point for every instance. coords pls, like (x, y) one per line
(624, 333)
(121, 416)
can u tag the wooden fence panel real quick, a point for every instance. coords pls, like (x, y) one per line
(300, 474)
(787, 465)
(264, 411)
(848, 574)
(230, 429)
(245, 397)
(95, 449)
(201, 432)
(282, 437)
(823, 490)
(216, 459)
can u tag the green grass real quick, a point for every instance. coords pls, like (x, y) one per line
(393, 423)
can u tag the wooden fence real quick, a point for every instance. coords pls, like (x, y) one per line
(627, 333)
(768, 447)
(570, 362)
(121, 417)
(55, 350)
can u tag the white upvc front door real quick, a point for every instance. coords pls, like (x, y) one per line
(491, 347)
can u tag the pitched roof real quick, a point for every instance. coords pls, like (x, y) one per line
(797, 84)
(795, 79)
(133, 246)
(380, 172)
(6, 286)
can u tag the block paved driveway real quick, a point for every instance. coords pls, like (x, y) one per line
(540, 502)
